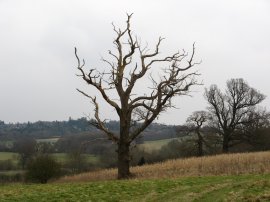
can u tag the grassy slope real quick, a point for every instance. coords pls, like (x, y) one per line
(224, 164)
(154, 145)
(8, 155)
(60, 157)
(215, 188)
(63, 157)
(239, 177)
(48, 140)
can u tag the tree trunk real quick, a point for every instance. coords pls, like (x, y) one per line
(225, 148)
(200, 145)
(123, 144)
(123, 161)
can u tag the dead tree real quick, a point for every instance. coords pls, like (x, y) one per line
(195, 123)
(136, 112)
(230, 109)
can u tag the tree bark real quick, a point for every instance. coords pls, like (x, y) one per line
(225, 146)
(124, 144)
(123, 160)
(200, 145)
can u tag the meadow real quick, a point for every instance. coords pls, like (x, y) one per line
(49, 140)
(60, 157)
(223, 164)
(8, 156)
(206, 188)
(224, 177)
(150, 146)
(63, 157)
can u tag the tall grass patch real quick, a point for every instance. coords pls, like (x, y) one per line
(224, 164)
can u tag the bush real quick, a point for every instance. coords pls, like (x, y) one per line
(42, 168)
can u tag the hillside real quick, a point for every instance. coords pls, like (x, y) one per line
(224, 164)
(232, 177)
(208, 189)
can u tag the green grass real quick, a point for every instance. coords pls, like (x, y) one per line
(8, 155)
(11, 172)
(48, 140)
(63, 157)
(217, 188)
(154, 145)
(60, 157)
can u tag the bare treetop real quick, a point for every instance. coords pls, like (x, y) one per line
(233, 108)
(130, 63)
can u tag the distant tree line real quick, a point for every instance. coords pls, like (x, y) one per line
(45, 129)
(10, 132)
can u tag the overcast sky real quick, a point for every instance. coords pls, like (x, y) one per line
(37, 40)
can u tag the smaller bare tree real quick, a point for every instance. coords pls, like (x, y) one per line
(195, 122)
(232, 109)
(26, 148)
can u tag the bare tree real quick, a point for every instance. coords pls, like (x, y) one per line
(136, 112)
(256, 120)
(195, 123)
(26, 148)
(231, 109)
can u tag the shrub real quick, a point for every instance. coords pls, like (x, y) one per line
(42, 168)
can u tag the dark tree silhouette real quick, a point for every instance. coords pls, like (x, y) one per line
(195, 123)
(136, 112)
(256, 121)
(232, 109)
(26, 148)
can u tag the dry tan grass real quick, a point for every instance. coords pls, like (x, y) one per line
(224, 164)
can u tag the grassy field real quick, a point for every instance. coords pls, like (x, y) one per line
(49, 140)
(225, 177)
(231, 177)
(211, 188)
(60, 157)
(8, 156)
(63, 157)
(154, 145)
(11, 172)
(224, 164)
